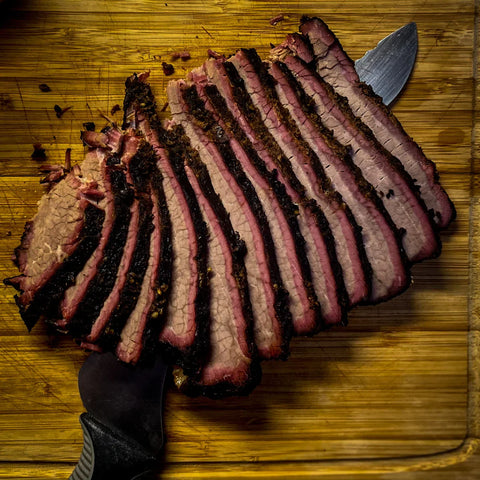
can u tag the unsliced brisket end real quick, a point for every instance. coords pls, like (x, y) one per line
(381, 169)
(52, 236)
(46, 299)
(272, 318)
(379, 235)
(320, 250)
(337, 68)
(184, 335)
(308, 170)
(232, 367)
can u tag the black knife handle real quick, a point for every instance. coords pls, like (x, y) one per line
(110, 455)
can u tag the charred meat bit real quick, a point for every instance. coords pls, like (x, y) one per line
(115, 109)
(167, 68)
(183, 55)
(38, 152)
(277, 19)
(59, 111)
(44, 87)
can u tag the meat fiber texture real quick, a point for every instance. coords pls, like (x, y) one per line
(280, 195)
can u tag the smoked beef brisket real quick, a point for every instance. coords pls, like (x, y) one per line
(266, 207)
(336, 67)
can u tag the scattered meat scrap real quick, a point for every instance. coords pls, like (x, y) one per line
(277, 19)
(44, 87)
(116, 108)
(168, 68)
(280, 194)
(59, 111)
(38, 153)
(184, 55)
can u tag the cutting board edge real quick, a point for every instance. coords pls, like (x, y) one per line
(466, 451)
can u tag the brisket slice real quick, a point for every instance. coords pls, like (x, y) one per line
(281, 211)
(101, 286)
(139, 168)
(184, 334)
(132, 145)
(104, 145)
(327, 277)
(307, 169)
(232, 367)
(272, 318)
(141, 331)
(380, 237)
(378, 166)
(336, 67)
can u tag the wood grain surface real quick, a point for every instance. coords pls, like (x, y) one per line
(395, 394)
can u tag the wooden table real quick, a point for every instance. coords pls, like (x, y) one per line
(395, 395)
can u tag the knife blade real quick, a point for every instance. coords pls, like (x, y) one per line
(388, 66)
(123, 431)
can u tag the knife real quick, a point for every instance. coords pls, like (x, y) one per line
(123, 431)
(387, 67)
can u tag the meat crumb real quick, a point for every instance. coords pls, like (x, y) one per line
(276, 19)
(115, 109)
(59, 111)
(44, 87)
(182, 55)
(167, 68)
(38, 152)
(213, 54)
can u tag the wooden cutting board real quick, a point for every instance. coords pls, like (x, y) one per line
(393, 395)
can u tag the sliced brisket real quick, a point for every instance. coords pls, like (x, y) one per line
(86, 320)
(336, 67)
(267, 206)
(281, 211)
(232, 367)
(104, 145)
(272, 318)
(185, 332)
(380, 168)
(136, 220)
(307, 169)
(380, 237)
(139, 171)
(142, 328)
(326, 272)
(46, 299)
